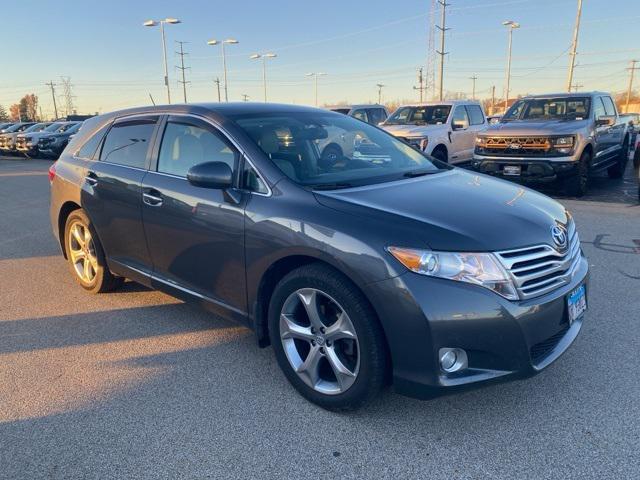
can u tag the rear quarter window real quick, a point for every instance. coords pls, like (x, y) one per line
(88, 149)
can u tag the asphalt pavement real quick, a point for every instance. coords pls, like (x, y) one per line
(136, 384)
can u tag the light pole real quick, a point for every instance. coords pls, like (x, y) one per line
(230, 41)
(380, 85)
(154, 23)
(264, 57)
(315, 75)
(512, 26)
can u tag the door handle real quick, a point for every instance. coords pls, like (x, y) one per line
(91, 179)
(152, 200)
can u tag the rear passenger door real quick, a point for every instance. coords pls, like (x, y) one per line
(477, 123)
(461, 139)
(195, 234)
(112, 195)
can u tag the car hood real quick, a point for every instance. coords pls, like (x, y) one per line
(547, 127)
(411, 130)
(33, 135)
(456, 211)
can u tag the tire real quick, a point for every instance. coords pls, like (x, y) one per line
(291, 330)
(440, 154)
(577, 185)
(617, 170)
(85, 255)
(330, 156)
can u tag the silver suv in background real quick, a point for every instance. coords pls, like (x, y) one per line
(445, 130)
(559, 137)
(370, 113)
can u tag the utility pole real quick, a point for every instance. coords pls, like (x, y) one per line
(182, 68)
(632, 69)
(379, 85)
(473, 94)
(574, 47)
(217, 82)
(575, 87)
(493, 99)
(53, 95)
(443, 28)
(420, 86)
(245, 97)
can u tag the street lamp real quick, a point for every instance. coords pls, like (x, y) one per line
(315, 75)
(264, 57)
(154, 23)
(229, 41)
(512, 26)
(380, 85)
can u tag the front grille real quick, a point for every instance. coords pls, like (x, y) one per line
(515, 146)
(21, 142)
(540, 350)
(541, 269)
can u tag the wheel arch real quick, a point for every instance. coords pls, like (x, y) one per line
(65, 210)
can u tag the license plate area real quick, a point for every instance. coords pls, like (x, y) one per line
(576, 304)
(512, 170)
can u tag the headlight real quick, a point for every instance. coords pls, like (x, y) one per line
(478, 268)
(563, 142)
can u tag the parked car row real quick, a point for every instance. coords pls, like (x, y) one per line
(36, 139)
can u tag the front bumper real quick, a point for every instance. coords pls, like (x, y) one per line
(503, 339)
(534, 170)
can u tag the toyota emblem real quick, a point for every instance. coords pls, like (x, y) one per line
(559, 235)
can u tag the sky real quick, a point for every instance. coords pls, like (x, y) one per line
(114, 62)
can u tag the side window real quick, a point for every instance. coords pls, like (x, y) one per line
(88, 150)
(598, 108)
(608, 105)
(251, 180)
(360, 115)
(460, 116)
(376, 115)
(185, 145)
(127, 143)
(475, 114)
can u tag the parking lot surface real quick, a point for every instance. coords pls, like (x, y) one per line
(136, 384)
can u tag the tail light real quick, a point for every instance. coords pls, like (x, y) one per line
(52, 172)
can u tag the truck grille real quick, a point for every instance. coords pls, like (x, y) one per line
(516, 146)
(21, 142)
(541, 269)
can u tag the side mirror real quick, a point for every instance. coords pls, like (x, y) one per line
(458, 126)
(216, 175)
(605, 120)
(381, 123)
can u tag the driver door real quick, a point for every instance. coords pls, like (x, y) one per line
(461, 139)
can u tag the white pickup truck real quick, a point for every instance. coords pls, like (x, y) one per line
(445, 130)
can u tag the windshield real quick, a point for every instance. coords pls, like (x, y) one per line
(333, 151)
(18, 127)
(426, 115)
(560, 108)
(53, 127)
(36, 128)
(72, 128)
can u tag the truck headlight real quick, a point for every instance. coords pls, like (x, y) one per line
(563, 144)
(478, 268)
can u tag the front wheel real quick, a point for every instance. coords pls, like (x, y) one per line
(577, 185)
(85, 255)
(326, 338)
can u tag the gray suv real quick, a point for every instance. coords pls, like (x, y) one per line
(566, 137)
(388, 268)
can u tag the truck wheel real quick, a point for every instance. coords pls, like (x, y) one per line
(617, 170)
(326, 338)
(577, 185)
(440, 154)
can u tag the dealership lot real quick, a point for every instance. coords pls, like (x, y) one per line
(137, 384)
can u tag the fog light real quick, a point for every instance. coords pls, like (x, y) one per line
(453, 359)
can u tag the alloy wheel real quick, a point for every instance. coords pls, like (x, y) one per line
(319, 341)
(82, 252)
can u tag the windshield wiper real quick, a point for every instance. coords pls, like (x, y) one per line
(330, 186)
(419, 173)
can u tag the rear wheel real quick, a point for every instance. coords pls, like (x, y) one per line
(85, 255)
(617, 170)
(326, 338)
(578, 184)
